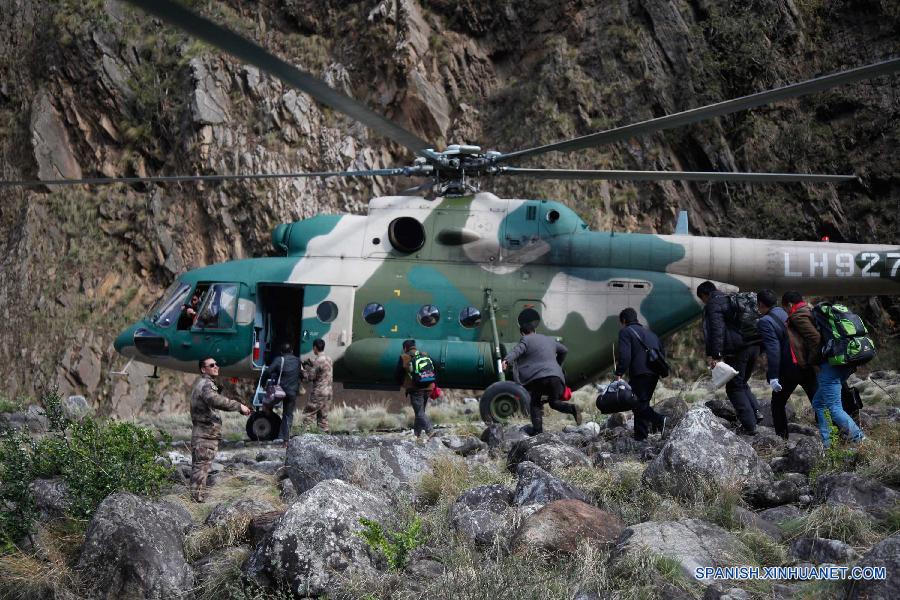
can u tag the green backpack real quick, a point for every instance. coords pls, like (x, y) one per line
(845, 339)
(421, 370)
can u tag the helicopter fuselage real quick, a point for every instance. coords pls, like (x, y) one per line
(431, 270)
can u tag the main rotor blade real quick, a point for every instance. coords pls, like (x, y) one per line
(712, 110)
(250, 52)
(673, 175)
(180, 178)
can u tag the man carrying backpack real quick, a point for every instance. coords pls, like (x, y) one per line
(782, 372)
(724, 341)
(539, 359)
(845, 346)
(635, 342)
(415, 373)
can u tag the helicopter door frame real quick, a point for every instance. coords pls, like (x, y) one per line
(277, 311)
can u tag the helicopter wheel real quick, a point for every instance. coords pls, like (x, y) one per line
(502, 400)
(262, 426)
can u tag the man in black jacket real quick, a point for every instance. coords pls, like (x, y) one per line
(632, 359)
(285, 369)
(724, 342)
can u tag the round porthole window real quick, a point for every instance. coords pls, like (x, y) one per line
(470, 317)
(406, 234)
(429, 315)
(327, 311)
(552, 216)
(373, 313)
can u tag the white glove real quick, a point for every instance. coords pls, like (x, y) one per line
(776, 387)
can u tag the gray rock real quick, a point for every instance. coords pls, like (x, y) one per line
(674, 409)
(482, 513)
(885, 554)
(232, 510)
(749, 519)
(537, 486)
(562, 525)
(765, 406)
(520, 448)
(802, 429)
(700, 453)
(766, 441)
(464, 446)
(821, 550)
(776, 493)
(781, 514)
(722, 408)
(53, 151)
(76, 408)
(555, 456)
(269, 467)
(288, 494)
(692, 542)
(377, 464)
(51, 497)
(210, 105)
(615, 420)
(801, 455)
(857, 492)
(315, 544)
(36, 420)
(134, 548)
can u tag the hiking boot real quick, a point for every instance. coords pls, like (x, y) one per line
(759, 417)
(578, 417)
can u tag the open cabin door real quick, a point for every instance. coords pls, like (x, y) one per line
(327, 314)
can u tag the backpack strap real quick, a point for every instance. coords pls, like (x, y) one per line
(639, 338)
(281, 370)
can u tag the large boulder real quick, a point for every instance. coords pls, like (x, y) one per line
(857, 492)
(885, 555)
(722, 408)
(674, 409)
(316, 543)
(51, 498)
(765, 407)
(376, 464)
(134, 548)
(520, 448)
(562, 525)
(537, 486)
(482, 514)
(701, 453)
(801, 455)
(823, 551)
(692, 542)
(554, 456)
(242, 509)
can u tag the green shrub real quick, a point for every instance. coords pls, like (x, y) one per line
(396, 546)
(838, 457)
(93, 458)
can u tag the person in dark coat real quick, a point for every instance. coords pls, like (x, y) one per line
(539, 360)
(782, 371)
(418, 396)
(632, 359)
(286, 368)
(724, 342)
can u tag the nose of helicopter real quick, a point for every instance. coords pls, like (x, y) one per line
(124, 342)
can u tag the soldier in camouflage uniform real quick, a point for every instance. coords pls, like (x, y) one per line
(319, 373)
(207, 424)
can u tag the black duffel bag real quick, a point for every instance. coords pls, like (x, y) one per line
(618, 397)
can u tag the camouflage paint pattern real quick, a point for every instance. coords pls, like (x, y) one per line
(528, 253)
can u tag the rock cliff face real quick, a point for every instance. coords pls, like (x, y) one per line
(96, 88)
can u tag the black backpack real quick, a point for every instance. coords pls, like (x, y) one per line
(421, 370)
(744, 315)
(656, 362)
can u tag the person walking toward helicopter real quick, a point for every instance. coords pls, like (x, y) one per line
(632, 359)
(319, 373)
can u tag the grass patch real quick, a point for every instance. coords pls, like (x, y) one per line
(836, 522)
(46, 570)
(222, 571)
(450, 476)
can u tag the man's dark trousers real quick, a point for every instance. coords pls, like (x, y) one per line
(553, 388)
(805, 378)
(738, 390)
(645, 417)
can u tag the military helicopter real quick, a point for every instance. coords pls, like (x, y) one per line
(460, 269)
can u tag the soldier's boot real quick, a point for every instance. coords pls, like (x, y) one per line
(579, 419)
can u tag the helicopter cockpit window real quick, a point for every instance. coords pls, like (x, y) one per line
(373, 313)
(429, 315)
(217, 311)
(470, 317)
(168, 307)
(327, 311)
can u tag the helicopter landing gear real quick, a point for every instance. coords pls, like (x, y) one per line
(263, 426)
(502, 400)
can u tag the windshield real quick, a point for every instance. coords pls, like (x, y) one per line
(168, 307)
(218, 308)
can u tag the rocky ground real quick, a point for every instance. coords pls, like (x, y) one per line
(577, 512)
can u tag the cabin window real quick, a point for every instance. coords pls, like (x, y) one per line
(470, 317)
(553, 216)
(217, 311)
(168, 307)
(531, 213)
(373, 313)
(428, 315)
(327, 311)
